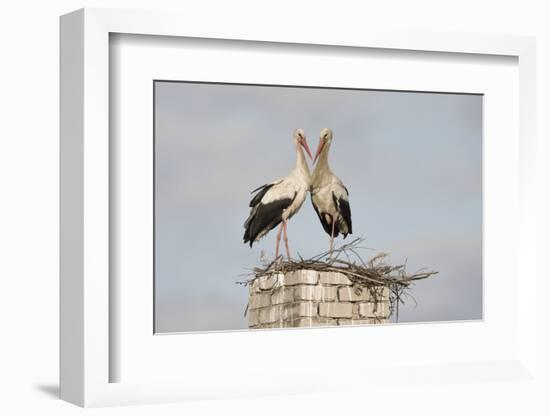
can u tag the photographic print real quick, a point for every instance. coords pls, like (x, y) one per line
(295, 207)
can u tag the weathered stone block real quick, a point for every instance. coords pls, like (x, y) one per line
(299, 309)
(365, 310)
(269, 325)
(374, 310)
(333, 278)
(355, 309)
(318, 293)
(259, 300)
(271, 314)
(254, 287)
(371, 321)
(282, 295)
(362, 321)
(253, 317)
(335, 310)
(310, 322)
(301, 277)
(363, 294)
(353, 294)
(268, 282)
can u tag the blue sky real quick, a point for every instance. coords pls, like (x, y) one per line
(411, 161)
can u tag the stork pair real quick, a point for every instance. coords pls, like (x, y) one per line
(276, 202)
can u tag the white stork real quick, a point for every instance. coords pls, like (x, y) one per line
(329, 196)
(276, 202)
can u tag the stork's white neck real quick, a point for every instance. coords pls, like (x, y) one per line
(322, 165)
(301, 163)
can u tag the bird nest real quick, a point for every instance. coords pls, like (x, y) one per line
(370, 275)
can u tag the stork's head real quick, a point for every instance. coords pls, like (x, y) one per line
(325, 139)
(300, 139)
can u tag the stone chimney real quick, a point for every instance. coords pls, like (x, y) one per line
(307, 298)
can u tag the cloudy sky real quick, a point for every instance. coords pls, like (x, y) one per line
(411, 161)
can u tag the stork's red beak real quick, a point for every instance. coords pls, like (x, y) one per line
(306, 147)
(319, 149)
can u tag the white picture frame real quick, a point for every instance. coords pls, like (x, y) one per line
(86, 329)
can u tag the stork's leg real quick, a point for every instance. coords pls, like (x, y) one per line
(332, 236)
(278, 239)
(286, 239)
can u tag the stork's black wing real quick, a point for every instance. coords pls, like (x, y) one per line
(258, 197)
(264, 217)
(324, 223)
(342, 205)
